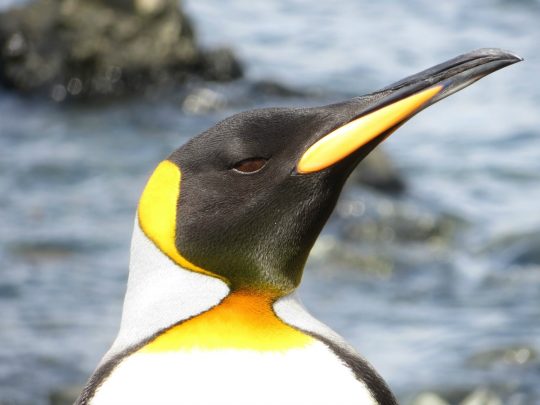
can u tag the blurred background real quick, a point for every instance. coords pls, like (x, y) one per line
(430, 265)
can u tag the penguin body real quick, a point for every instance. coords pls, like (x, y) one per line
(270, 378)
(224, 227)
(263, 363)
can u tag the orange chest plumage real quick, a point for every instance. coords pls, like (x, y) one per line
(240, 321)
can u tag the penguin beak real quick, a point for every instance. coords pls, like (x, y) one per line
(396, 104)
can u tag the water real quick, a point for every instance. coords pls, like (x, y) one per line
(424, 285)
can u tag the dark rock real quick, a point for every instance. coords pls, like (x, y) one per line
(478, 396)
(387, 220)
(482, 396)
(521, 249)
(275, 89)
(65, 396)
(428, 398)
(440, 396)
(378, 172)
(203, 97)
(95, 48)
(505, 356)
(221, 65)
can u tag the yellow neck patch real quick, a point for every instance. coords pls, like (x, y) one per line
(157, 213)
(241, 321)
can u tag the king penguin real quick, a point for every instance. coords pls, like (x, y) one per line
(223, 229)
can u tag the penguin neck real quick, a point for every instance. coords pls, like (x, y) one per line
(244, 320)
(165, 304)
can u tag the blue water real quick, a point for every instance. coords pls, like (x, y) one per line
(421, 285)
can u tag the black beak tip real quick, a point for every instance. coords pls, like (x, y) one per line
(499, 54)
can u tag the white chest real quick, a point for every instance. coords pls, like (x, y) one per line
(312, 375)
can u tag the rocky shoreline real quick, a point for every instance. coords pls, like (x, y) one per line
(96, 50)
(92, 49)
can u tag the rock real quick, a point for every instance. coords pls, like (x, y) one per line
(482, 397)
(274, 89)
(220, 64)
(74, 49)
(428, 398)
(329, 249)
(378, 172)
(203, 100)
(46, 251)
(150, 7)
(479, 396)
(368, 218)
(516, 248)
(507, 356)
(65, 396)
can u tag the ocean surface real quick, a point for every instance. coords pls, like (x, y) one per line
(439, 288)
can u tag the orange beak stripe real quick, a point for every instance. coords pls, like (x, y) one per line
(345, 140)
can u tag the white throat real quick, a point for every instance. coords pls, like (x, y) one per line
(160, 294)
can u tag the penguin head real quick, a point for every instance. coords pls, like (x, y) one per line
(245, 200)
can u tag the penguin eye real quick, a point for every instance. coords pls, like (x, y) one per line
(249, 165)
